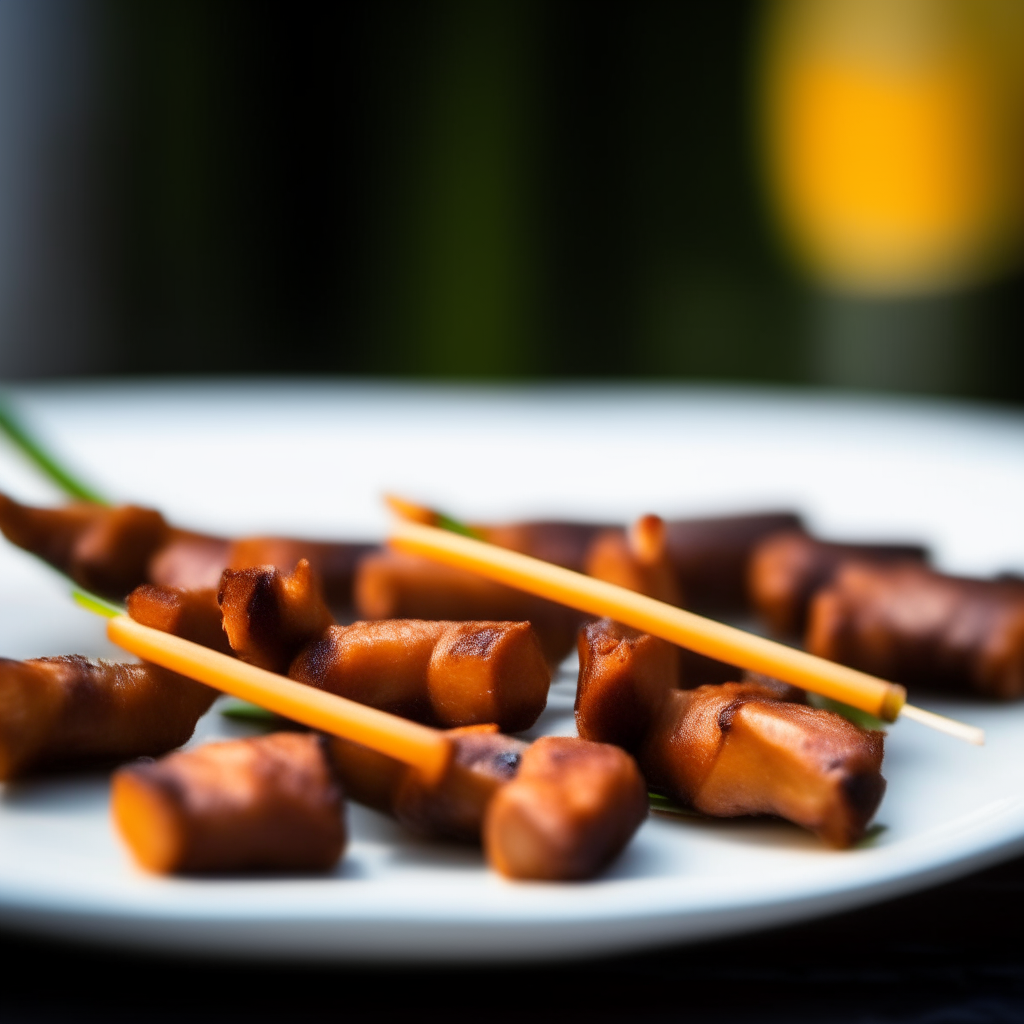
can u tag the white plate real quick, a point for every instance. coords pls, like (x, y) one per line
(314, 459)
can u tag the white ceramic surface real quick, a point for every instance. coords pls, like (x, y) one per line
(314, 459)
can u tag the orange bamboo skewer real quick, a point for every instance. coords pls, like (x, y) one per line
(876, 696)
(418, 745)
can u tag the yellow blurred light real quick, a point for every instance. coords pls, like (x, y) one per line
(892, 136)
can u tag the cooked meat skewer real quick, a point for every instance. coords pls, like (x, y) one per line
(113, 550)
(923, 628)
(442, 673)
(734, 749)
(883, 699)
(559, 541)
(66, 711)
(192, 614)
(558, 809)
(698, 563)
(727, 750)
(270, 803)
(788, 568)
(568, 811)
(637, 559)
(390, 585)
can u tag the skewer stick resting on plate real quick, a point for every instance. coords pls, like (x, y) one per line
(424, 748)
(714, 639)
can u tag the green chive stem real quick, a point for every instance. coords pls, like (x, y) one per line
(43, 460)
(96, 605)
(446, 522)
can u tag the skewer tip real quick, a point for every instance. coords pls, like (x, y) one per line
(410, 511)
(950, 726)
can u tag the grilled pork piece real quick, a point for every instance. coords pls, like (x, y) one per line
(560, 809)
(711, 557)
(483, 760)
(728, 749)
(270, 803)
(567, 814)
(636, 559)
(113, 550)
(731, 750)
(102, 549)
(270, 615)
(65, 711)
(923, 629)
(189, 561)
(393, 585)
(625, 677)
(788, 568)
(191, 614)
(445, 673)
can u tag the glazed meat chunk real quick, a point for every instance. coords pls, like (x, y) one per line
(730, 749)
(923, 629)
(270, 803)
(786, 570)
(69, 711)
(560, 809)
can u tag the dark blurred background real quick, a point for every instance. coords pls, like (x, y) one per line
(515, 190)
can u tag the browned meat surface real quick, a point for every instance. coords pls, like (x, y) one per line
(696, 670)
(195, 561)
(271, 803)
(568, 813)
(483, 760)
(728, 749)
(562, 543)
(333, 562)
(617, 655)
(561, 809)
(787, 569)
(189, 561)
(70, 710)
(270, 615)
(191, 614)
(444, 673)
(625, 677)
(391, 585)
(711, 557)
(113, 550)
(368, 777)
(636, 559)
(923, 629)
(105, 550)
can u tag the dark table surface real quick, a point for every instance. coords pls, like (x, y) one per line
(952, 954)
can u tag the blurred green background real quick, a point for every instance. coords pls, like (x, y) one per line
(493, 190)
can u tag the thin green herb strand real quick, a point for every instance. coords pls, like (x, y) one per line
(43, 460)
(446, 522)
(659, 802)
(96, 605)
(244, 711)
(864, 719)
